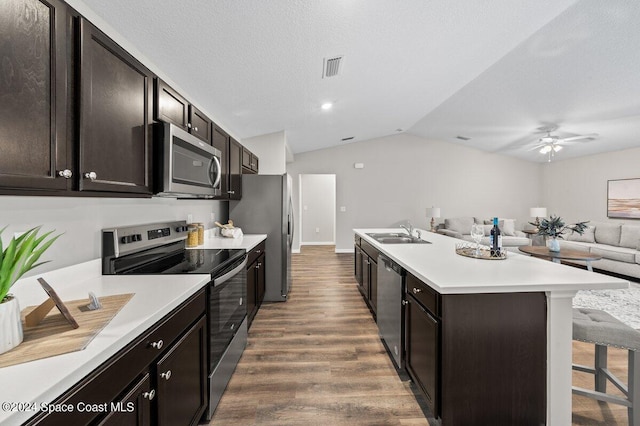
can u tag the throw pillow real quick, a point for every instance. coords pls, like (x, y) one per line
(630, 236)
(608, 234)
(507, 226)
(461, 225)
(589, 235)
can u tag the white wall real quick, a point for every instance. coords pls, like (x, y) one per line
(405, 174)
(81, 219)
(271, 150)
(577, 189)
(318, 207)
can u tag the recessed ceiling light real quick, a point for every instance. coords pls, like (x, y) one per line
(327, 105)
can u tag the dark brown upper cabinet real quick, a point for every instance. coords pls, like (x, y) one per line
(114, 116)
(249, 162)
(171, 107)
(231, 160)
(34, 144)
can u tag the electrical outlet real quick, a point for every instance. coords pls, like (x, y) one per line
(343, 209)
(317, 230)
(213, 217)
(189, 218)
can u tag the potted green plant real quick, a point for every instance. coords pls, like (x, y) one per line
(554, 228)
(19, 257)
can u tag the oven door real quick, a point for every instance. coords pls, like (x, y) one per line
(190, 167)
(227, 308)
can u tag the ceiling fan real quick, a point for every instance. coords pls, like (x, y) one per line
(550, 144)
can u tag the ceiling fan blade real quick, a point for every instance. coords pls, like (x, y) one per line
(589, 137)
(537, 146)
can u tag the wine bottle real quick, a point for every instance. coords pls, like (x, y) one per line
(496, 239)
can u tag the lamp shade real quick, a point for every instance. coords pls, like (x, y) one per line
(433, 211)
(538, 212)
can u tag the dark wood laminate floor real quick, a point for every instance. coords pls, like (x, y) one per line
(317, 360)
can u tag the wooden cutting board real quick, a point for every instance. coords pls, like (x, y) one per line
(55, 336)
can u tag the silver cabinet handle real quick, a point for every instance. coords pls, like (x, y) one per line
(157, 345)
(149, 395)
(231, 192)
(258, 251)
(405, 302)
(91, 175)
(166, 375)
(195, 129)
(66, 173)
(188, 125)
(417, 290)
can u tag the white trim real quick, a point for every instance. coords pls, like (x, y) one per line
(295, 251)
(318, 243)
(344, 250)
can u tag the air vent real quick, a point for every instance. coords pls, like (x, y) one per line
(347, 139)
(332, 66)
(463, 138)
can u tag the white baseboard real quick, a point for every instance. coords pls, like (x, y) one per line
(318, 243)
(295, 251)
(344, 250)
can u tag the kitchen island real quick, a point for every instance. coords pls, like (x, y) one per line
(484, 304)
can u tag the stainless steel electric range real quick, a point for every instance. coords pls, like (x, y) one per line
(159, 248)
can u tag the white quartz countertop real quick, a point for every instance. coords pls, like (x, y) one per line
(43, 380)
(439, 266)
(247, 241)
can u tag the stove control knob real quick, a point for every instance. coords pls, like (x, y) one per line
(137, 237)
(181, 229)
(126, 240)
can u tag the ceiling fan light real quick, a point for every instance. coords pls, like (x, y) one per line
(557, 148)
(545, 149)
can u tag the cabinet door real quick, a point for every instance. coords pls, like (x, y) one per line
(134, 409)
(373, 285)
(235, 170)
(33, 95)
(220, 140)
(423, 348)
(199, 124)
(170, 106)
(181, 377)
(115, 115)
(366, 271)
(255, 163)
(246, 158)
(260, 279)
(252, 282)
(357, 259)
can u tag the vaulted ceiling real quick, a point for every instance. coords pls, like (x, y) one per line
(497, 72)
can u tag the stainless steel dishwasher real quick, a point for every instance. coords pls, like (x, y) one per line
(389, 315)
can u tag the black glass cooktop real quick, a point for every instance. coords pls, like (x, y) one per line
(174, 259)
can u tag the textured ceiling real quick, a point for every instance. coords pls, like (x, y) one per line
(490, 70)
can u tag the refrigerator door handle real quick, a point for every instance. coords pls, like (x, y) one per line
(291, 224)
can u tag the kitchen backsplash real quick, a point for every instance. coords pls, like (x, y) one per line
(81, 220)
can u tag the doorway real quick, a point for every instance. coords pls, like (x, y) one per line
(318, 209)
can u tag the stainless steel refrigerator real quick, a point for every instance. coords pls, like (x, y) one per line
(266, 208)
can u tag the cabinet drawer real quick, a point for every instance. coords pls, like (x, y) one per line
(255, 253)
(427, 296)
(370, 250)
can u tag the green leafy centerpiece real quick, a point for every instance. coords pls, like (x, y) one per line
(19, 257)
(555, 227)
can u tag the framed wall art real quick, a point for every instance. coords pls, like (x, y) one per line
(623, 198)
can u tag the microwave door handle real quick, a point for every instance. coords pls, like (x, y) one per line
(218, 172)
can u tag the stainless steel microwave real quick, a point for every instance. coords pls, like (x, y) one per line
(186, 166)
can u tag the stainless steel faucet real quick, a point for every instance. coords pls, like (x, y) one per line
(408, 228)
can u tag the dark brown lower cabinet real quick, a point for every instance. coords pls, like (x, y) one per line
(366, 272)
(479, 359)
(256, 281)
(159, 378)
(422, 351)
(180, 374)
(134, 409)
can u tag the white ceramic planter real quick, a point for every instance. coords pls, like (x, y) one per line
(10, 325)
(553, 244)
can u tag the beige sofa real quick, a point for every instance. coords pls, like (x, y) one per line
(618, 244)
(460, 227)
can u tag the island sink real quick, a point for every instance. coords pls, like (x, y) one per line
(396, 238)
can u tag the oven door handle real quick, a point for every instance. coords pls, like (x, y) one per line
(224, 278)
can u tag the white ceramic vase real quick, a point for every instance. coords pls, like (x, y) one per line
(554, 245)
(10, 324)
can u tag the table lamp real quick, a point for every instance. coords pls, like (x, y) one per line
(433, 213)
(538, 212)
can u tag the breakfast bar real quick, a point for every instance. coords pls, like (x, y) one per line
(505, 282)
